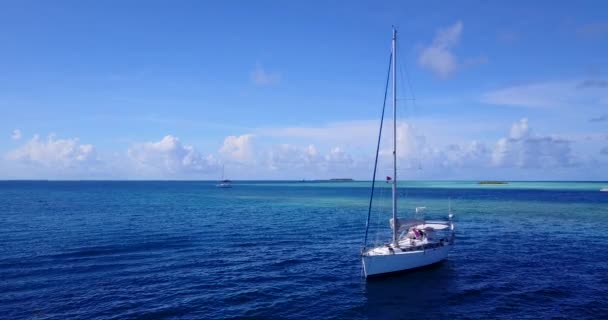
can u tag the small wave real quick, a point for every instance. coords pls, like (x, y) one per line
(248, 295)
(119, 249)
(288, 262)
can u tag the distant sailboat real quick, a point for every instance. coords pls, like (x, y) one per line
(224, 183)
(415, 242)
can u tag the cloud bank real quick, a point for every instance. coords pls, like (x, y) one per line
(573, 93)
(522, 149)
(168, 157)
(53, 153)
(261, 156)
(16, 135)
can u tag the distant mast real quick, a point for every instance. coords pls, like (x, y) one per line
(395, 221)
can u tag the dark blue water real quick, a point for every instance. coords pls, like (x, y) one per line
(117, 250)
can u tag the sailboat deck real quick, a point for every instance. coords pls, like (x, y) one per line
(405, 246)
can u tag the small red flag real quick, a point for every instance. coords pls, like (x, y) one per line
(388, 178)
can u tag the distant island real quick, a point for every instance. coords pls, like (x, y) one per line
(329, 180)
(493, 182)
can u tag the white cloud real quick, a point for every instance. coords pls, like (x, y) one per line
(520, 129)
(414, 151)
(319, 131)
(337, 156)
(169, 157)
(351, 134)
(312, 152)
(358, 138)
(287, 156)
(262, 77)
(239, 149)
(438, 56)
(16, 134)
(566, 93)
(54, 153)
(409, 143)
(412, 147)
(333, 150)
(522, 149)
(471, 155)
(283, 159)
(539, 95)
(308, 162)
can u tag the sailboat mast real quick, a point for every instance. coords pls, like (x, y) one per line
(395, 221)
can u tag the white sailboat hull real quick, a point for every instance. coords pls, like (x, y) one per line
(402, 261)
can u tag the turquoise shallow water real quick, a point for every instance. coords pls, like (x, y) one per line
(511, 185)
(290, 250)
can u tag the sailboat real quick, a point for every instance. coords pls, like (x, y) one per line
(224, 183)
(415, 242)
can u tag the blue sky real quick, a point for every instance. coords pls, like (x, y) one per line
(292, 90)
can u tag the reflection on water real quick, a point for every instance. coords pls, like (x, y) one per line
(419, 294)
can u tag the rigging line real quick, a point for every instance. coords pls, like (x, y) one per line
(409, 83)
(381, 213)
(410, 109)
(407, 111)
(371, 197)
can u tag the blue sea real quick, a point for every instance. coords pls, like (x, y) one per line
(186, 250)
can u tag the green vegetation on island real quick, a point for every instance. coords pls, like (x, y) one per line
(493, 182)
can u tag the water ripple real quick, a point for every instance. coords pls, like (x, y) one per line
(183, 250)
